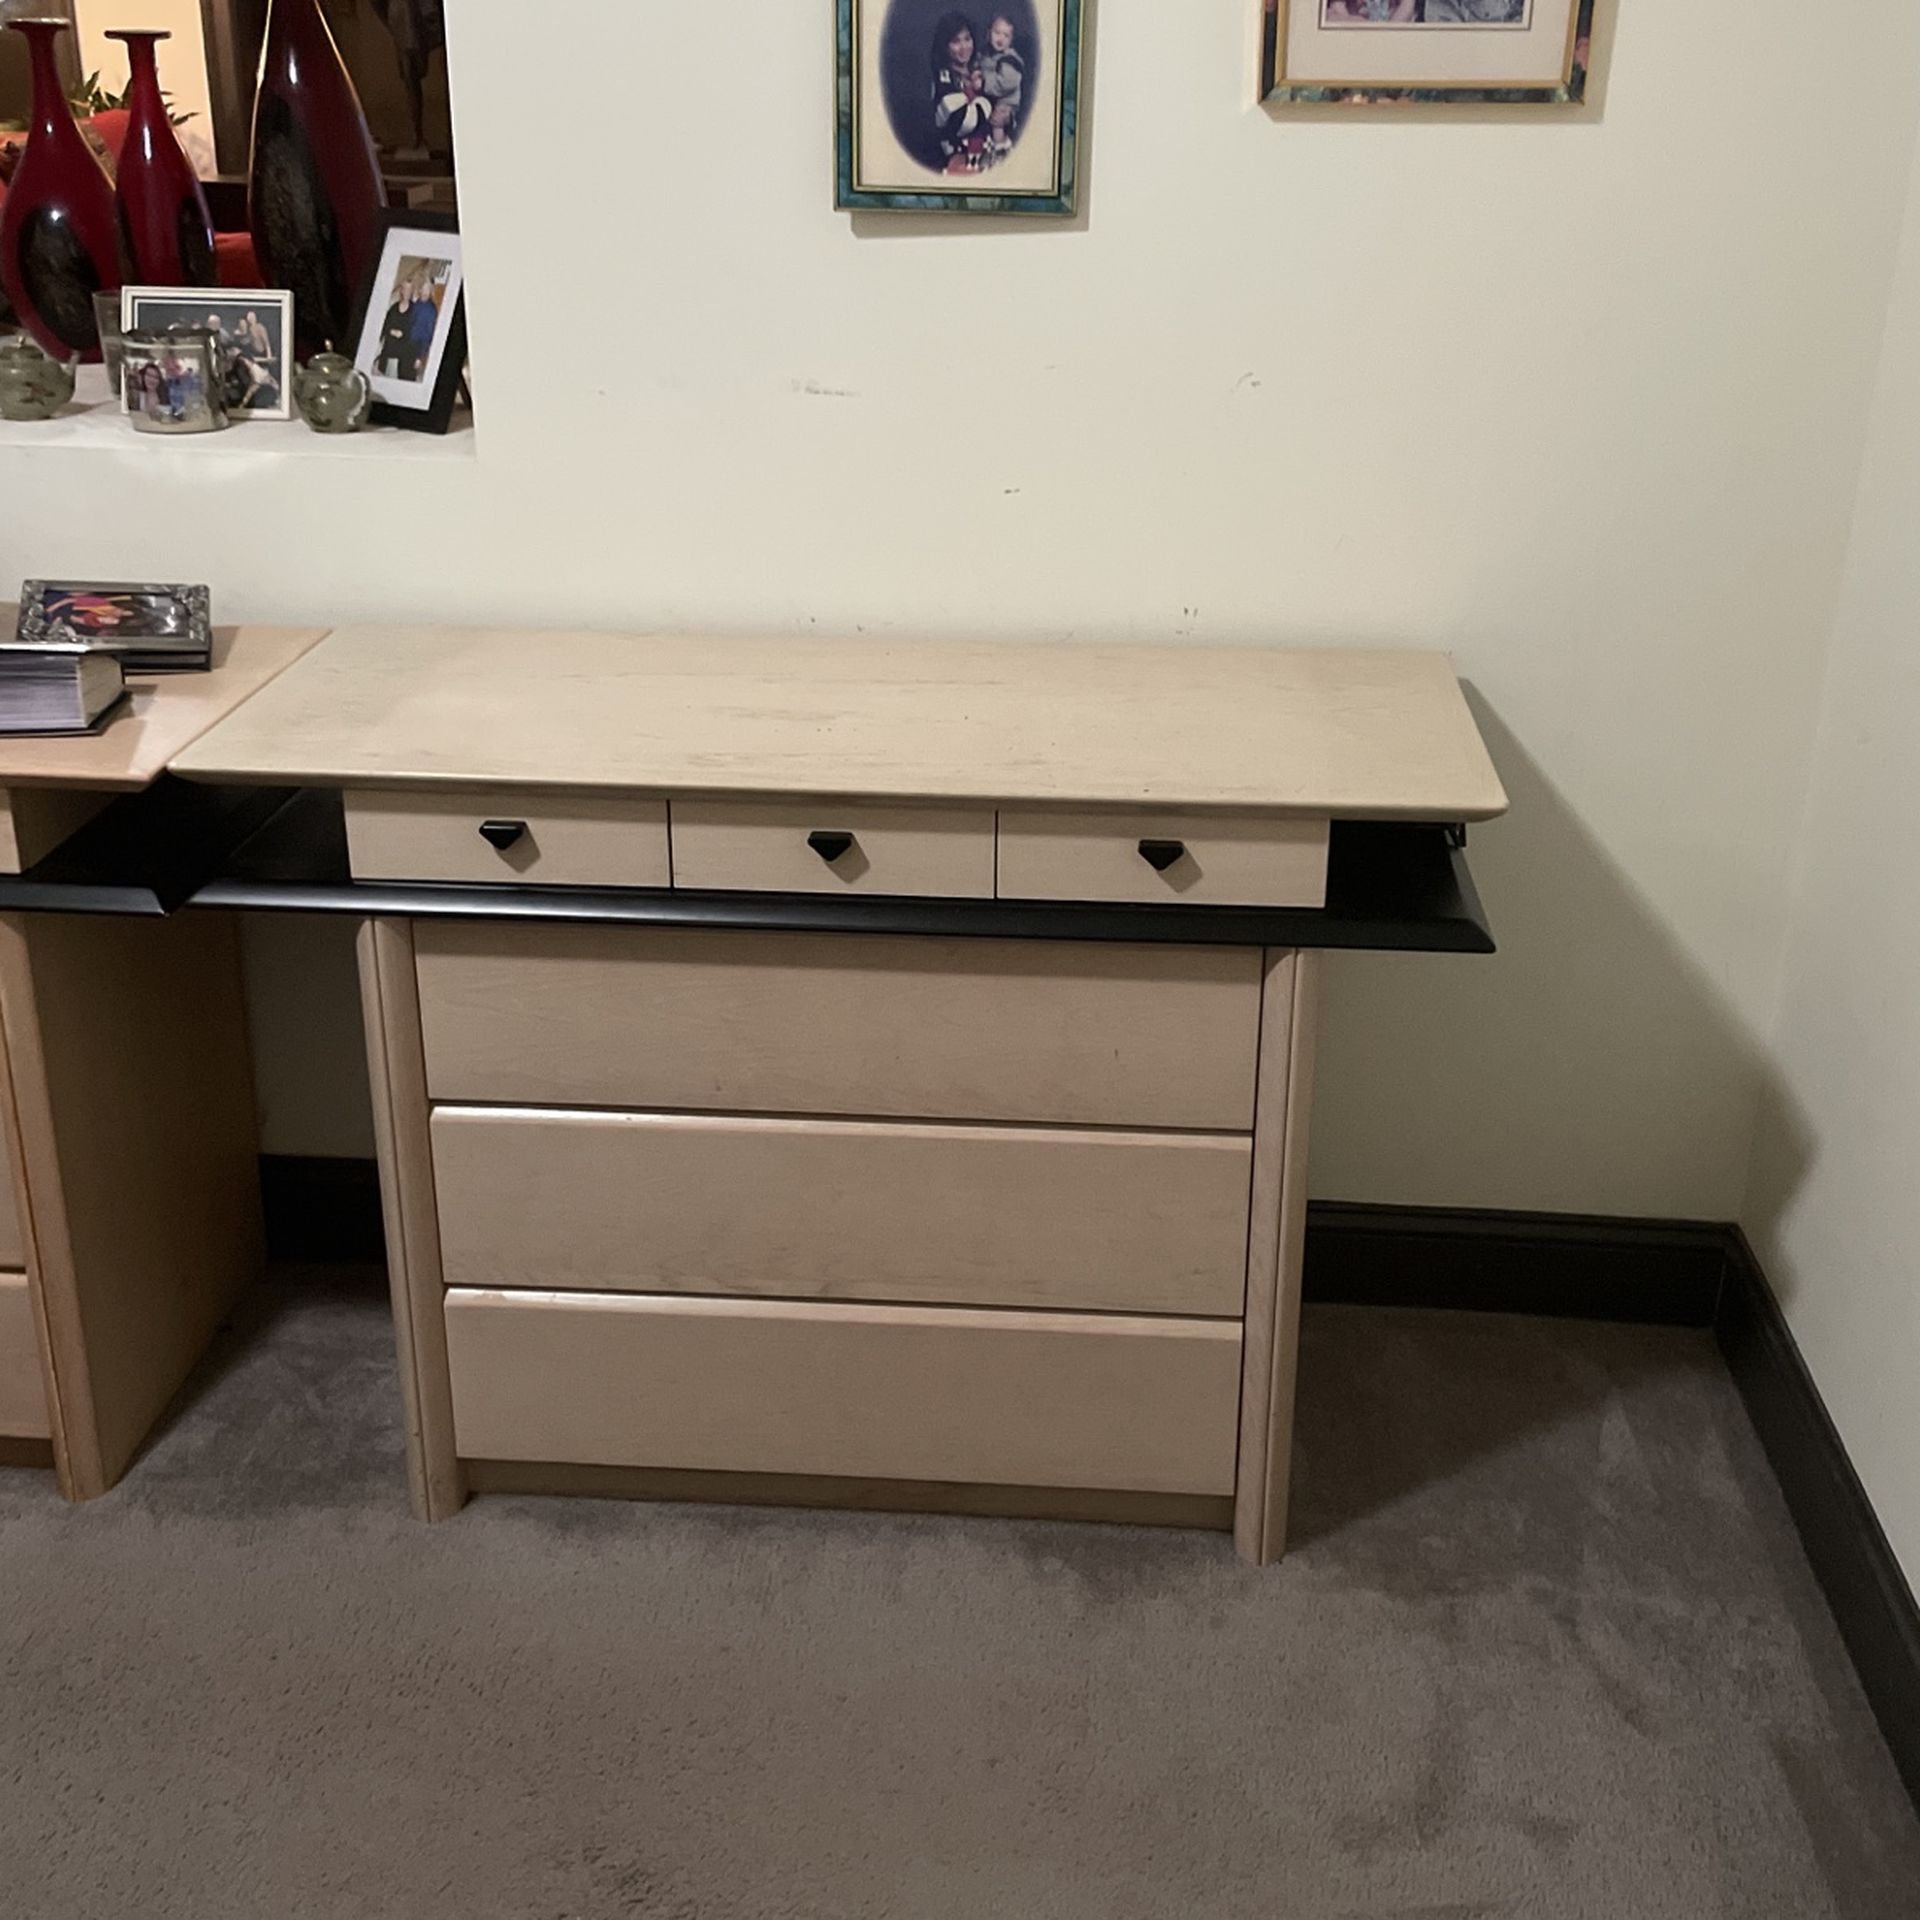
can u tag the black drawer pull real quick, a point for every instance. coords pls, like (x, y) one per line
(831, 846)
(1161, 854)
(502, 834)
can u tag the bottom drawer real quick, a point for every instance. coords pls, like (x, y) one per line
(907, 1393)
(23, 1397)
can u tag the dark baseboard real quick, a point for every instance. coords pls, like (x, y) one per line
(321, 1209)
(1663, 1272)
(1851, 1556)
(1658, 1272)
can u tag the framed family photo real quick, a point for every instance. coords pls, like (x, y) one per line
(410, 333)
(1361, 52)
(959, 109)
(154, 627)
(252, 334)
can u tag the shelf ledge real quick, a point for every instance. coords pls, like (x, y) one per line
(93, 422)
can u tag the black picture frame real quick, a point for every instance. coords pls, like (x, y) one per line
(437, 415)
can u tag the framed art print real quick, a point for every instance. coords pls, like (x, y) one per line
(410, 331)
(1362, 52)
(968, 109)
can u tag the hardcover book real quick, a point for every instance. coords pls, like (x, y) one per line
(50, 688)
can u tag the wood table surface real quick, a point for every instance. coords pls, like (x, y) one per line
(1333, 732)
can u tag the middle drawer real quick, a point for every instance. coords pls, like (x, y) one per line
(810, 846)
(843, 1210)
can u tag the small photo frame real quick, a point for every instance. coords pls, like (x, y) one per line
(171, 383)
(151, 625)
(1400, 52)
(252, 331)
(959, 109)
(410, 329)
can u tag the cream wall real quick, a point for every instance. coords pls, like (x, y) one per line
(1580, 398)
(182, 59)
(1834, 1206)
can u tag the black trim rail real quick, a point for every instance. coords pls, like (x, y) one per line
(1399, 888)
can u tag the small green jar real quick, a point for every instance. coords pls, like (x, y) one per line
(333, 395)
(32, 386)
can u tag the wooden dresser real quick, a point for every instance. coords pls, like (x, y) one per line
(853, 1072)
(130, 1216)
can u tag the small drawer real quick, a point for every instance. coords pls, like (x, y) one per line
(867, 1025)
(1179, 857)
(908, 1393)
(1048, 1217)
(811, 846)
(508, 837)
(23, 1394)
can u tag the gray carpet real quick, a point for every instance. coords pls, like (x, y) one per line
(1547, 1648)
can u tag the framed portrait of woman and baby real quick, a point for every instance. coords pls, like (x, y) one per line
(1365, 52)
(959, 109)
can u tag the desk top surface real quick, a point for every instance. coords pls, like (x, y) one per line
(1336, 732)
(163, 714)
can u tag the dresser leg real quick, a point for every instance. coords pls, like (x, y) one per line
(396, 1064)
(1276, 1246)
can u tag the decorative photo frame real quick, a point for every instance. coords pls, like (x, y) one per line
(410, 323)
(153, 626)
(252, 333)
(973, 108)
(1418, 52)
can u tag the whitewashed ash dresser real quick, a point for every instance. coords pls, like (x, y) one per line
(854, 1072)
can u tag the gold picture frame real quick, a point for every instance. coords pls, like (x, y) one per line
(1278, 83)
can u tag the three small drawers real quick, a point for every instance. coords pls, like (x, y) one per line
(810, 846)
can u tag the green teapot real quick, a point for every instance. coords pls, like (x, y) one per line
(333, 395)
(32, 386)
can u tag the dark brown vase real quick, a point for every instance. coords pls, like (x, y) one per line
(163, 210)
(59, 239)
(315, 193)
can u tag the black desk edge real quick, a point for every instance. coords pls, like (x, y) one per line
(1402, 888)
(1390, 888)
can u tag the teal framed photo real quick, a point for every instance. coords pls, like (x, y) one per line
(1427, 52)
(958, 109)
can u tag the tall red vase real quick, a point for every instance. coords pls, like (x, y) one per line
(163, 210)
(315, 193)
(59, 239)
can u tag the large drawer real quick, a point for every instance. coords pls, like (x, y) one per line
(1177, 857)
(509, 837)
(902, 1393)
(870, 1025)
(846, 1209)
(23, 1394)
(823, 847)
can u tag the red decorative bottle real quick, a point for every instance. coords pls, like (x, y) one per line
(163, 210)
(315, 194)
(59, 240)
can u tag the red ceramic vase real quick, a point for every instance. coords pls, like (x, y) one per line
(59, 241)
(163, 210)
(315, 194)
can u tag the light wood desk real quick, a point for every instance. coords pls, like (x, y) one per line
(856, 1072)
(132, 1213)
